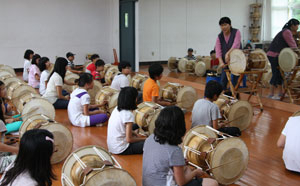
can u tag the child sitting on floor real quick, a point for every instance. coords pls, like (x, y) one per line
(120, 80)
(92, 67)
(205, 112)
(79, 108)
(120, 136)
(44, 65)
(34, 72)
(97, 74)
(151, 89)
(163, 160)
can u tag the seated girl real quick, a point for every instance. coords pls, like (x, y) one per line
(163, 160)
(44, 65)
(120, 136)
(34, 72)
(32, 166)
(55, 81)
(80, 112)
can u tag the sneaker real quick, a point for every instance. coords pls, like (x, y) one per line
(270, 96)
(276, 97)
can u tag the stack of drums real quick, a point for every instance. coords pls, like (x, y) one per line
(146, 115)
(109, 95)
(192, 66)
(63, 138)
(225, 157)
(138, 81)
(16, 89)
(288, 60)
(94, 166)
(237, 113)
(8, 69)
(183, 96)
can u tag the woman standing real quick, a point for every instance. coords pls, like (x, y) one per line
(228, 39)
(282, 40)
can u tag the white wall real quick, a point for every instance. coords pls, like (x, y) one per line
(52, 28)
(168, 27)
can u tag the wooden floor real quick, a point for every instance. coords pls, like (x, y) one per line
(265, 163)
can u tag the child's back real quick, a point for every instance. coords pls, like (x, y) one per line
(151, 89)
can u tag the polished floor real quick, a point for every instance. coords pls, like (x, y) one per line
(265, 165)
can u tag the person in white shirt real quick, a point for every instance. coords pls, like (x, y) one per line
(44, 65)
(80, 112)
(32, 166)
(289, 140)
(27, 57)
(121, 139)
(54, 86)
(121, 80)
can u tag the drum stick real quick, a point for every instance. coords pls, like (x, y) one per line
(223, 164)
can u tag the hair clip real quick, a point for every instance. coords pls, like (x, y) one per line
(49, 139)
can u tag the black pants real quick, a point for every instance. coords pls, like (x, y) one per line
(134, 148)
(195, 182)
(233, 131)
(276, 75)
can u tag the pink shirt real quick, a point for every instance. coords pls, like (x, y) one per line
(236, 43)
(288, 37)
(31, 76)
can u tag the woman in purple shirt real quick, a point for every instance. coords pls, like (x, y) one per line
(227, 40)
(282, 40)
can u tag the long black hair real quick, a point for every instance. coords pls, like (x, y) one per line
(127, 98)
(84, 78)
(60, 67)
(27, 54)
(42, 63)
(35, 58)
(36, 149)
(290, 23)
(170, 126)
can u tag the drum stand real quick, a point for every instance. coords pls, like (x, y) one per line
(290, 84)
(252, 87)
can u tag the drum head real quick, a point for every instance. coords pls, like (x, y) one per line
(21, 102)
(172, 64)
(232, 153)
(198, 58)
(4, 74)
(93, 92)
(71, 77)
(221, 101)
(296, 113)
(200, 69)
(51, 68)
(8, 69)
(190, 66)
(38, 106)
(206, 61)
(169, 91)
(237, 62)
(88, 155)
(182, 64)
(258, 59)
(186, 98)
(32, 121)
(287, 59)
(110, 74)
(113, 102)
(241, 112)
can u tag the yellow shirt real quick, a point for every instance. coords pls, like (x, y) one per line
(151, 89)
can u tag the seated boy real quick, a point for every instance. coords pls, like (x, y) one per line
(190, 55)
(91, 67)
(121, 80)
(71, 66)
(214, 62)
(99, 64)
(205, 112)
(289, 140)
(151, 89)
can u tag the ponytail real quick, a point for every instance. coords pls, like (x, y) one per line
(290, 23)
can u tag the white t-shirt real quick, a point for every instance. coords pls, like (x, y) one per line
(119, 82)
(26, 69)
(51, 93)
(43, 78)
(116, 130)
(291, 149)
(79, 98)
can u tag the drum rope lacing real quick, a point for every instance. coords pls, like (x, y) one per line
(84, 166)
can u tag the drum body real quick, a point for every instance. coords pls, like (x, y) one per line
(238, 113)
(16, 89)
(237, 63)
(226, 158)
(288, 59)
(184, 96)
(63, 138)
(8, 69)
(200, 68)
(110, 95)
(146, 115)
(103, 170)
(182, 64)
(257, 60)
(111, 73)
(8, 81)
(38, 106)
(190, 66)
(173, 64)
(138, 81)
(25, 98)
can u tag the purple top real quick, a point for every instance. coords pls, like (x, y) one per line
(288, 37)
(236, 43)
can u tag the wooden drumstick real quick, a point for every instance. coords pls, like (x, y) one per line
(223, 164)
